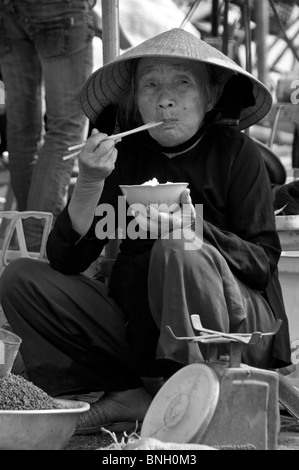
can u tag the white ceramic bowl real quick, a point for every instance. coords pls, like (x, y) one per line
(40, 429)
(168, 193)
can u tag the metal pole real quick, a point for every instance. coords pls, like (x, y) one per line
(225, 28)
(110, 20)
(215, 18)
(262, 31)
(110, 38)
(248, 39)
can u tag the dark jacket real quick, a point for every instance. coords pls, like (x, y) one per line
(226, 174)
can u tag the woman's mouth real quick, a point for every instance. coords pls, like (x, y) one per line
(169, 121)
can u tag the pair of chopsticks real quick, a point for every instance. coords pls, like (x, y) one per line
(113, 137)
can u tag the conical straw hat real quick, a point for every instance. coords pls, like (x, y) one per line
(111, 81)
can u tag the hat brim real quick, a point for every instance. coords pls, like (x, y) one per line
(110, 82)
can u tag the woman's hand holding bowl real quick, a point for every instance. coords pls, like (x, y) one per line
(161, 223)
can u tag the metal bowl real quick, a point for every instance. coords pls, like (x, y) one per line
(40, 429)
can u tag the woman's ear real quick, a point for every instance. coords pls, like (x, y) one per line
(210, 106)
(213, 98)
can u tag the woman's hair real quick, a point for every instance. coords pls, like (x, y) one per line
(128, 115)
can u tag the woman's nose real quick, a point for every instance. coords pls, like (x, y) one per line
(166, 98)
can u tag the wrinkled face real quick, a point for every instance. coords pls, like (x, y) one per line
(169, 90)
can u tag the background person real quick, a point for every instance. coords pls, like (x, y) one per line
(46, 56)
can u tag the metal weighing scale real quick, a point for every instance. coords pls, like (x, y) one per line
(220, 402)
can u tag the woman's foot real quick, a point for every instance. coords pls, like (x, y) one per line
(116, 411)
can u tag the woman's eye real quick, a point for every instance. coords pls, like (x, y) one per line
(150, 84)
(183, 81)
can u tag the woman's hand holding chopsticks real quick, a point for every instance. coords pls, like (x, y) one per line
(96, 161)
(97, 158)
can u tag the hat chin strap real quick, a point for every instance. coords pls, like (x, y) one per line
(207, 122)
(177, 148)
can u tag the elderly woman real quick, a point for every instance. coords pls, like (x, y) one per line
(80, 337)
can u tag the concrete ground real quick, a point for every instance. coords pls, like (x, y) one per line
(288, 438)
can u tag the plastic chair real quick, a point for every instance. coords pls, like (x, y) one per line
(15, 227)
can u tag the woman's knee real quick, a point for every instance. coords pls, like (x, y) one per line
(202, 254)
(171, 245)
(20, 272)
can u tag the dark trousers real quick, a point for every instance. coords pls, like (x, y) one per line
(77, 339)
(73, 333)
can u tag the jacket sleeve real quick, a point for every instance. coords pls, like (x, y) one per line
(67, 251)
(70, 253)
(251, 244)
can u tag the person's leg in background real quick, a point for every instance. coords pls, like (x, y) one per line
(66, 59)
(21, 73)
(46, 49)
(3, 144)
